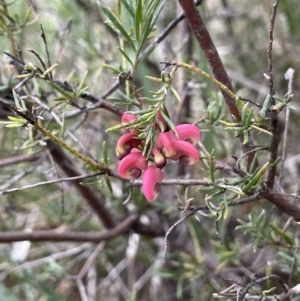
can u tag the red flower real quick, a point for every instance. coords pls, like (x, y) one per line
(186, 153)
(131, 166)
(152, 176)
(126, 143)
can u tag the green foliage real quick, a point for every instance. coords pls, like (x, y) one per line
(66, 94)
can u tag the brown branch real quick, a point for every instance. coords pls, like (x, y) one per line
(53, 235)
(94, 200)
(284, 202)
(19, 159)
(203, 37)
(274, 118)
(212, 56)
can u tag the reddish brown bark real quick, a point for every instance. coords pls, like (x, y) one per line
(203, 37)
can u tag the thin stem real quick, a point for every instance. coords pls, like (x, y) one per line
(51, 182)
(52, 235)
(274, 119)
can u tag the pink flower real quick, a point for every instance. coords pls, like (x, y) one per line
(158, 158)
(125, 143)
(188, 132)
(128, 118)
(131, 166)
(166, 145)
(152, 176)
(159, 118)
(186, 153)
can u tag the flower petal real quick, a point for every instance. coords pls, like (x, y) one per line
(186, 153)
(158, 158)
(165, 143)
(152, 176)
(159, 118)
(131, 166)
(188, 132)
(125, 143)
(128, 118)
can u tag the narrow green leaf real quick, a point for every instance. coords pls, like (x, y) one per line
(14, 125)
(175, 93)
(107, 181)
(128, 8)
(113, 18)
(282, 234)
(244, 112)
(157, 12)
(49, 70)
(169, 123)
(249, 118)
(126, 56)
(104, 156)
(265, 106)
(138, 19)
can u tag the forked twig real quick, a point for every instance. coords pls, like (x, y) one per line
(173, 227)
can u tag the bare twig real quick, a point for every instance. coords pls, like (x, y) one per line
(173, 227)
(19, 159)
(287, 295)
(90, 260)
(81, 289)
(189, 182)
(289, 75)
(50, 182)
(53, 235)
(274, 119)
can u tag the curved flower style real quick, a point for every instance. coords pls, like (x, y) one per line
(126, 143)
(188, 132)
(131, 166)
(166, 145)
(186, 153)
(152, 176)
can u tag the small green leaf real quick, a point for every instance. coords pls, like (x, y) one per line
(104, 156)
(138, 19)
(169, 123)
(175, 93)
(49, 70)
(126, 56)
(113, 18)
(128, 8)
(14, 125)
(107, 181)
(282, 234)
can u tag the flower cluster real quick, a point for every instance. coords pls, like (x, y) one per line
(133, 162)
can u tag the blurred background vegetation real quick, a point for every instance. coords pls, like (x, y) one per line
(85, 45)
